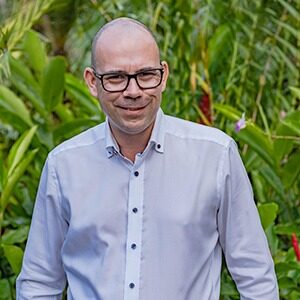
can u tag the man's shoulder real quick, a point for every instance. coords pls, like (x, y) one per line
(84, 139)
(190, 130)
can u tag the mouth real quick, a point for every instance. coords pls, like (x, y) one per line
(132, 108)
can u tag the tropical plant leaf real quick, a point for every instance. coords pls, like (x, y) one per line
(24, 81)
(14, 177)
(291, 170)
(268, 213)
(14, 256)
(287, 283)
(14, 236)
(293, 125)
(64, 112)
(53, 82)
(45, 136)
(13, 104)
(273, 179)
(21, 71)
(251, 135)
(228, 111)
(218, 47)
(4, 67)
(18, 150)
(289, 126)
(258, 186)
(1, 170)
(5, 290)
(12, 120)
(35, 51)
(79, 93)
(295, 91)
(255, 138)
(273, 239)
(287, 229)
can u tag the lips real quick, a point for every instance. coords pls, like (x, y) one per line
(132, 108)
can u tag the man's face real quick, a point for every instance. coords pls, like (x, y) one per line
(132, 111)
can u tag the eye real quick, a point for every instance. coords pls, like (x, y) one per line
(148, 73)
(114, 77)
(145, 75)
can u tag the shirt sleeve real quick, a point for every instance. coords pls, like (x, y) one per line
(242, 237)
(42, 275)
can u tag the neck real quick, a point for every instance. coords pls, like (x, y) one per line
(131, 144)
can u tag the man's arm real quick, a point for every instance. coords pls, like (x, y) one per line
(42, 275)
(241, 235)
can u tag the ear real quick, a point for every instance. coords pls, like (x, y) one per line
(165, 75)
(91, 81)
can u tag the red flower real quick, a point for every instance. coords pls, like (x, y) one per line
(205, 107)
(296, 246)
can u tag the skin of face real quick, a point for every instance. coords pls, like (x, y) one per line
(127, 48)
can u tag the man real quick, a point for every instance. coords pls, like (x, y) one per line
(142, 206)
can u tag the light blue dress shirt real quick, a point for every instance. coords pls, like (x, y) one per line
(149, 230)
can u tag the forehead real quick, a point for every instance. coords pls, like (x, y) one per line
(123, 46)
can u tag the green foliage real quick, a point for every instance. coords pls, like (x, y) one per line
(226, 58)
(14, 255)
(53, 83)
(35, 51)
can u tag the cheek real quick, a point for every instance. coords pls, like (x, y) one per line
(107, 101)
(155, 95)
(100, 93)
(105, 105)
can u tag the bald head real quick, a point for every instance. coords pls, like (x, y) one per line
(119, 28)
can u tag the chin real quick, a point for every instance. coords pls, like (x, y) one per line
(133, 129)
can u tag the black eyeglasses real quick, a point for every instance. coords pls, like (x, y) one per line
(119, 81)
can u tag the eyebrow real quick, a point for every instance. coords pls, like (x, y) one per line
(139, 70)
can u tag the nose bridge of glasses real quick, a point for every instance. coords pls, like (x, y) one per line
(135, 81)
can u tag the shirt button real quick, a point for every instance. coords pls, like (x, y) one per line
(136, 173)
(133, 246)
(135, 210)
(131, 285)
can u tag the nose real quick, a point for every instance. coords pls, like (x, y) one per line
(133, 90)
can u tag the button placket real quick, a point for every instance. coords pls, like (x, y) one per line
(134, 233)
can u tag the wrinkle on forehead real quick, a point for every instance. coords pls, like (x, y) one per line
(122, 30)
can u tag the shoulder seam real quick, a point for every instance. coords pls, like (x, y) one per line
(222, 141)
(65, 147)
(201, 138)
(57, 151)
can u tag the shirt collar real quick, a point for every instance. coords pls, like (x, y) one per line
(112, 146)
(156, 139)
(157, 135)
